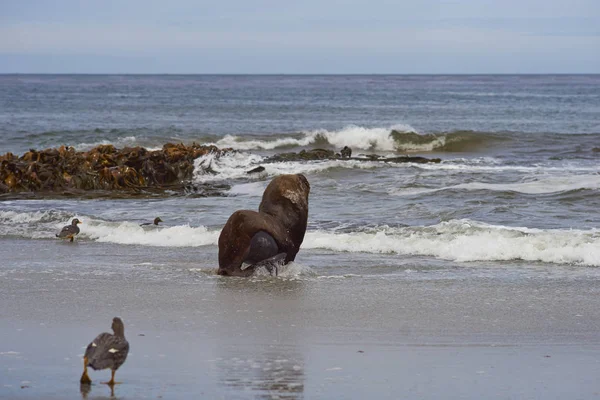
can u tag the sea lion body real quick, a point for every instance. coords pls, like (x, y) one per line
(278, 227)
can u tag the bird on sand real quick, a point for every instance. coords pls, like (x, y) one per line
(106, 351)
(155, 222)
(69, 231)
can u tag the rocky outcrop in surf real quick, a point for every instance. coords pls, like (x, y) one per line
(104, 168)
(136, 171)
(324, 154)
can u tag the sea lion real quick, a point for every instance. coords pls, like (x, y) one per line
(272, 235)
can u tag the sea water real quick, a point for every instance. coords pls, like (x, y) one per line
(517, 186)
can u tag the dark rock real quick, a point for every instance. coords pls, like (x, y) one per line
(321, 154)
(258, 169)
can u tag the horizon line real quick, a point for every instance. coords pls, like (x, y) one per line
(303, 73)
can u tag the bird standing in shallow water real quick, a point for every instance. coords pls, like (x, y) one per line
(69, 231)
(155, 222)
(106, 351)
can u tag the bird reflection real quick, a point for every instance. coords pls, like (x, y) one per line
(86, 388)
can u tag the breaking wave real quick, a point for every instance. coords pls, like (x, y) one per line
(397, 138)
(132, 233)
(545, 185)
(128, 141)
(466, 240)
(460, 240)
(45, 224)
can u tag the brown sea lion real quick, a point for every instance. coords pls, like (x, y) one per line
(272, 235)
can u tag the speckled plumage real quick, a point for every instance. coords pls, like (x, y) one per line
(106, 351)
(69, 231)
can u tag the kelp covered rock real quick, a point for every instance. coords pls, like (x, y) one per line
(102, 168)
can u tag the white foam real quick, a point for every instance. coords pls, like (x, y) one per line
(290, 270)
(238, 143)
(298, 167)
(293, 269)
(545, 185)
(25, 217)
(253, 189)
(356, 137)
(465, 240)
(132, 233)
(120, 142)
(479, 165)
(229, 166)
(235, 166)
(105, 231)
(36, 224)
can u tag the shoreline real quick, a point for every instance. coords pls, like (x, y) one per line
(297, 337)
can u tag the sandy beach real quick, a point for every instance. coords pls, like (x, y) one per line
(307, 334)
(475, 277)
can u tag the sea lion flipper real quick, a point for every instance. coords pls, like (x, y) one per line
(270, 264)
(262, 247)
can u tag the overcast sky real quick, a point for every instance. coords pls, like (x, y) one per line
(306, 36)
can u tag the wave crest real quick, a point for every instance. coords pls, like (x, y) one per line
(131, 233)
(465, 240)
(544, 185)
(397, 138)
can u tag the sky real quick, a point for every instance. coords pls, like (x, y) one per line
(300, 37)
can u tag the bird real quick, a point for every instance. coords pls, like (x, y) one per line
(69, 231)
(155, 222)
(106, 351)
(346, 152)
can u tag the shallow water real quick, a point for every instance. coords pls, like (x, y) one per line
(401, 328)
(496, 245)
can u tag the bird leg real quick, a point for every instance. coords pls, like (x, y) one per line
(112, 379)
(85, 377)
(71, 239)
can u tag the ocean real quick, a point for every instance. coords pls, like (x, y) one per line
(513, 203)
(518, 183)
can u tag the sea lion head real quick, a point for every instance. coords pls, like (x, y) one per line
(285, 192)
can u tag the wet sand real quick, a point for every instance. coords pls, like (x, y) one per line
(317, 335)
